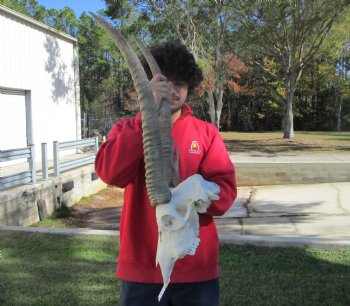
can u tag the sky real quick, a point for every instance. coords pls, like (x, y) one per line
(78, 6)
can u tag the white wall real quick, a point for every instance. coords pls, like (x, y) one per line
(41, 61)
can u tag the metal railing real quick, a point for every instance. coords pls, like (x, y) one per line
(85, 145)
(89, 145)
(19, 178)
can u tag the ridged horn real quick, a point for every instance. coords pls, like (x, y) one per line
(164, 116)
(156, 182)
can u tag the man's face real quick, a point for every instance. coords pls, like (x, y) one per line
(178, 94)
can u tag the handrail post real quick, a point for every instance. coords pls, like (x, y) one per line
(32, 163)
(96, 145)
(56, 164)
(44, 161)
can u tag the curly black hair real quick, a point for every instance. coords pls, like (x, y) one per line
(177, 64)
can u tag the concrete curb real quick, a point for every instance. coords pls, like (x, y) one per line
(264, 241)
(287, 242)
(59, 231)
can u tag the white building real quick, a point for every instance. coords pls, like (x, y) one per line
(39, 84)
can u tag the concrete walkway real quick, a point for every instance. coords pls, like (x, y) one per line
(297, 215)
(317, 215)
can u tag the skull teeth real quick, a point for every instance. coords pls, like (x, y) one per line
(193, 249)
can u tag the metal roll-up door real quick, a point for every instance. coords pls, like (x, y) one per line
(13, 125)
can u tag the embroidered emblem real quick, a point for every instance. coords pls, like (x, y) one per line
(194, 148)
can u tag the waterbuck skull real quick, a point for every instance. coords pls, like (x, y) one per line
(178, 222)
(177, 208)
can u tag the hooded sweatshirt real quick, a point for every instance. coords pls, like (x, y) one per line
(120, 162)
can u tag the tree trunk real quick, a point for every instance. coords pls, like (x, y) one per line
(211, 104)
(229, 116)
(315, 99)
(219, 84)
(288, 116)
(219, 96)
(339, 102)
(290, 86)
(288, 119)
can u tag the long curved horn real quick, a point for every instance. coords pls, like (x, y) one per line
(164, 116)
(156, 182)
(149, 57)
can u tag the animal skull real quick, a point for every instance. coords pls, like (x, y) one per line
(178, 222)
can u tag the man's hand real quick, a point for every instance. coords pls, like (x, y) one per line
(160, 88)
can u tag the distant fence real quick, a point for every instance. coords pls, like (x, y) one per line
(19, 178)
(86, 145)
(92, 126)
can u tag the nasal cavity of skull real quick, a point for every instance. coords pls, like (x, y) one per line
(167, 220)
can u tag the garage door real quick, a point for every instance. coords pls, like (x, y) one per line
(13, 123)
(13, 132)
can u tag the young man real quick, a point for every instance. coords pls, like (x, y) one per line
(119, 162)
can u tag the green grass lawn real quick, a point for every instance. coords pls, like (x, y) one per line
(273, 142)
(38, 269)
(57, 219)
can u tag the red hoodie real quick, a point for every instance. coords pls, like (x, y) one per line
(120, 162)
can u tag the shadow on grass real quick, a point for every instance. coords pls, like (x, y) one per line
(347, 139)
(39, 269)
(280, 146)
(326, 134)
(279, 276)
(344, 149)
(55, 270)
(107, 218)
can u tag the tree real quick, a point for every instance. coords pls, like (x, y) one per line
(219, 27)
(200, 25)
(236, 85)
(323, 93)
(63, 20)
(93, 66)
(289, 32)
(27, 7)
(335, 64)
(104, 76)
